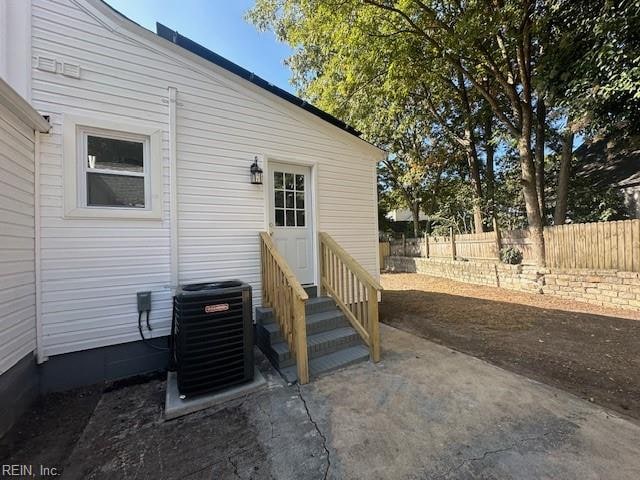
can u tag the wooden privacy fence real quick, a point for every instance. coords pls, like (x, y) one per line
(600, 245)
(384, 250)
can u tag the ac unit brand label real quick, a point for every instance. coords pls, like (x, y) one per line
(220, 307)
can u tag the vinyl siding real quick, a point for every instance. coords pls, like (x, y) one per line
(17, 229)
(91, 268)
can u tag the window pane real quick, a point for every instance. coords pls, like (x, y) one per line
(112, 154)
(289, 199)
(277, 180)
(300, 218)
(104, 190)
(288, 181)
(279, 218)
(299, 182)
(291, 221)
(279, 199)
(300, 200)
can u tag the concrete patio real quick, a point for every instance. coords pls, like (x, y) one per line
(424, 412)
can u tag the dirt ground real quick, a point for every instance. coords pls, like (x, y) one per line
(590, 351)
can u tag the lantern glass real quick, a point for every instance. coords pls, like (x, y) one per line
(256, 173)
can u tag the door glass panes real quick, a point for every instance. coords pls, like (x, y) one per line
(279, 199)
(279, 217)
(288, 181)
(291, 221)
(300, 218)
(278, 182)
(289, 199)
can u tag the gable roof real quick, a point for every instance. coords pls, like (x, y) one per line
(189, 48)
(203, 52)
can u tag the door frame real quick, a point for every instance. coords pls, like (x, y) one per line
(313, 182)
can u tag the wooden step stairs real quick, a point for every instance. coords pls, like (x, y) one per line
(331, 342)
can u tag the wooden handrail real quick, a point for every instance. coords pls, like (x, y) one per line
(283, 293)
(354, 290)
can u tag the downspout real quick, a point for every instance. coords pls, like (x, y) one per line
(173, 187)
(40, 356)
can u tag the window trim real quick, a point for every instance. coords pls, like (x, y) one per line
(75, 129)
(83, 134)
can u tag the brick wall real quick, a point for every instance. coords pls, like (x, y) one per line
(600, 287)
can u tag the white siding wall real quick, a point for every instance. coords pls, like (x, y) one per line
(17, 277)
(91, 269)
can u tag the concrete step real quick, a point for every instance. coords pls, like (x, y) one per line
(264, 315)
(329, 362)
(311, 290)
(318, 344)
(316, 323)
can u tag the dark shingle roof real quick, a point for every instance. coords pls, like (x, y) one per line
(608, 161)
(201, 51)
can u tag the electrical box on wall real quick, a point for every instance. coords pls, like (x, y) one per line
(144, 302)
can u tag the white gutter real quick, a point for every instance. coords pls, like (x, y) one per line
(173, 186)
(21, 108)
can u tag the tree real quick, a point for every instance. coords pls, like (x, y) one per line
(455, 111)
(592, 62)
(481, 40)
(562, 192)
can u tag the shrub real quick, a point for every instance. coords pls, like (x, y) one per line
(511, 255)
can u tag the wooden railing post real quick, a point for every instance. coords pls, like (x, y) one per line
(374, 328)
(286, 297)
(300, 340)
(323, 290)
(453, 243)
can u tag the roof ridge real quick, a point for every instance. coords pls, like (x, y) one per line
(200, 50)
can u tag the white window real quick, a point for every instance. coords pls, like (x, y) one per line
(111, 169)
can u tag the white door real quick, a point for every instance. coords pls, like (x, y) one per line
(290, 220)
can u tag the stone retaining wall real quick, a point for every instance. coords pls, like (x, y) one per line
(599, 287)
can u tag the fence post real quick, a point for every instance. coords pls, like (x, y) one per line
(453, 243)
(426, 244)
(404, 246)
(498, 236)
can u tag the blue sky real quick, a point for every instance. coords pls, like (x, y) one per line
(220, 26)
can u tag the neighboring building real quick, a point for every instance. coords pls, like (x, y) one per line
(143, 184)
(613, 163)
(404, 215)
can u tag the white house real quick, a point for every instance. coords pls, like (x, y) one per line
(404, 215)
(143, 183)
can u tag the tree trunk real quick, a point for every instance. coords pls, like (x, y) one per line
(562, 191)
(472, 155)
(529, 190)
(541, 114)
(415, 212)
(489, 153)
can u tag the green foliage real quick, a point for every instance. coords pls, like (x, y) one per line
(592, 61)
(589, 204)
(392, 69)
(511, 256)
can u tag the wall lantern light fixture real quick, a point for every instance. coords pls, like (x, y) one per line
(256, 172)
